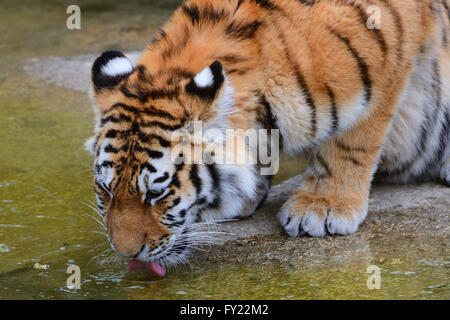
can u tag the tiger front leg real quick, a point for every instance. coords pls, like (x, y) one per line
(333, 197)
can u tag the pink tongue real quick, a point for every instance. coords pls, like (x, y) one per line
(155, 267)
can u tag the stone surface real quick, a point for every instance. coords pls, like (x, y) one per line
(384, 198)
(67, 72)
(411, 219)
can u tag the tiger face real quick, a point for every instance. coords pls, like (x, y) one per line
(152, 200)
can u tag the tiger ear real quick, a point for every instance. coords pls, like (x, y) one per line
(110, 69)
(208, 83)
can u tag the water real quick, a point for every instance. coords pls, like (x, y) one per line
(45, 176)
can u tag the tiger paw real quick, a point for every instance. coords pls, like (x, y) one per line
(307, 214)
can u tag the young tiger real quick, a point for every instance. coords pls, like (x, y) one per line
(359, 100)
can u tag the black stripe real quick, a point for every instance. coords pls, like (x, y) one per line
(132, 188)
(162, 35)
(206, 14)
(114, 119)
(195, 179)
(122, 160)
(104, 190)
(162, 178)
(161, 125)
(177, 73)
(175, 181)
(110, 149)
(168, 194)
(127, 93)
(266, 117)
(148, 166)
(364, 18)
(399, 26)
(243, 32)
(163, 237)
(232, 58)
(308, 2)
(106, 164)
(134, 128)
(162, 94)
(309, 99)
(151, 153)
(240, 71)
(182, 213)
(363, 68)
(215, 177)
(147, 137)
(352, 159)
(117, 183)
(175, 202)
(149, 196)
(324, 164)
(334, 112)
(154, 94)
(237, 7)
(201, 201)
(142, 75)
(192, 12)
(347, 148)
(150, 111)
(266, 4)
(124, 107)
(112, 134)
(302, 86)
(288, 221)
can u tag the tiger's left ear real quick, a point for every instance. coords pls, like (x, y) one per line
(208, 83)
(110, 69)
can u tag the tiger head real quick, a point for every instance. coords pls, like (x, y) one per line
(152, 201)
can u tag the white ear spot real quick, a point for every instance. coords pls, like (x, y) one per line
(204, 78)
(117, 66)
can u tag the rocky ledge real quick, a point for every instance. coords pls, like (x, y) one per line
(401, 219)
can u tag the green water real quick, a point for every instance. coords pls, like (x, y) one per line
(45, 176)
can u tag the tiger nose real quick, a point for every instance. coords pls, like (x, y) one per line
(129, 252)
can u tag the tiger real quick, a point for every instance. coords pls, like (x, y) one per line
(365, 103)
